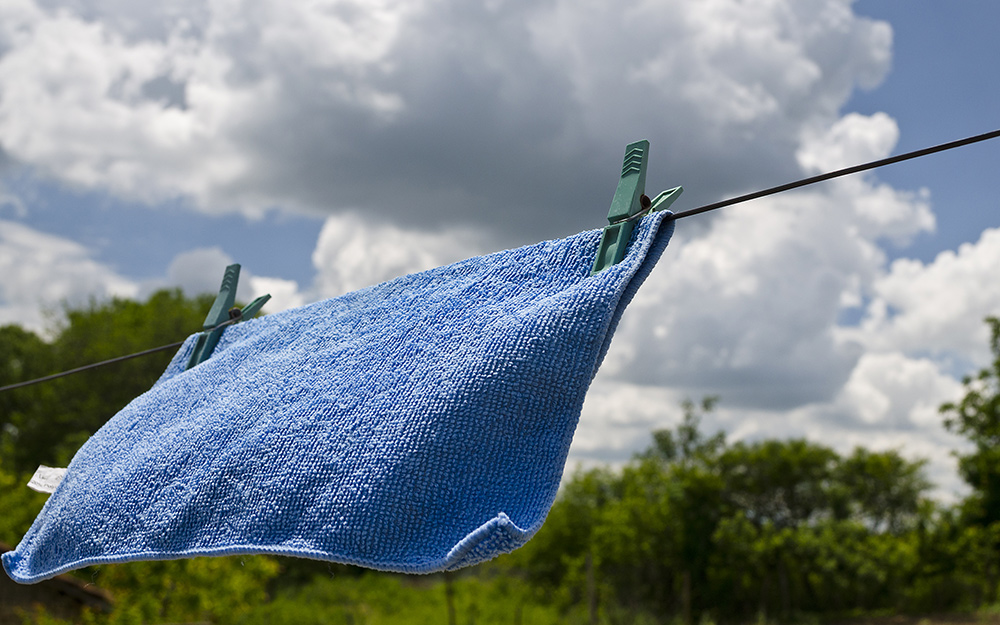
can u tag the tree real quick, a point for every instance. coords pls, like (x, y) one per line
(977, 417)
(560, 548)
(46, 423)
(882, 489)
(23, 356)
(658, 539)
(686, 444)
(783, 483)
(19, 503)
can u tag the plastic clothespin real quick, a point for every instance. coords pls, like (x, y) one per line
(223, 312)
(629, 204)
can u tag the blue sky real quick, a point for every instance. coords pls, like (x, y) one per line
(942, 85)
(327, 146)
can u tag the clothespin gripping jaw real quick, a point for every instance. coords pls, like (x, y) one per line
(222, 314)
(629, 204)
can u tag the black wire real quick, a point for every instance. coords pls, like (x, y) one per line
(162, 348)
(112, 361)
(687, 213)
(836, 174)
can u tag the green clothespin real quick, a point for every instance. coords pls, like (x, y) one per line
(629, 204)
(223, 314)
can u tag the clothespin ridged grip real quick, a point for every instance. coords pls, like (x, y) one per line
(626, 203)
(630, 203)
(223, 314)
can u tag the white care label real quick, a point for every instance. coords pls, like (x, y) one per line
(46, 479)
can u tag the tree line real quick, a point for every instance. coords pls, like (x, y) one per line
(694, 529)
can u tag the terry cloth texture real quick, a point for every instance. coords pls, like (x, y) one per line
(418, 425)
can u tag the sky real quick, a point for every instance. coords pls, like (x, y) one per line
(330, 145)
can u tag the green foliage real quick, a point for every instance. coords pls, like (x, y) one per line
(377, 598)
(217, 590)
(881, 489)
(23, 356)
(831, 566)
(686, 443)
(956, 564)
(693, 529)
(977, 417)
(782, 483)
(20, 504)
(46, 423)
(562, 544)
(698, 528)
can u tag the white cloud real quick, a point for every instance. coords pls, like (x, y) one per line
(618, 417)
(892, 401)
(748, 310)
(889, 402)
(892, 390)
(74, 104)
(12, 205)
(353, 253)
(509, 114)
(284, 293)
(879, 210)
(853, 139)
(40, 272)
(937, 307)
(200, 271)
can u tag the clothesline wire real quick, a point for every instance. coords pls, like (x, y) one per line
(838, 173)
(103, 363)
(679, 215)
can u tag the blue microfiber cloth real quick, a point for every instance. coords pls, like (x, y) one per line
(418, 425)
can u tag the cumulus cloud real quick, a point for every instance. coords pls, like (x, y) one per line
(853, 139)
(40, 272)
(284, 294)
(618, 417)
(200, 271)
(507, 114)
(937, 307)
(353, 253)
(752, 309)
(895, 391)
(748, 310)
(889, 402)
